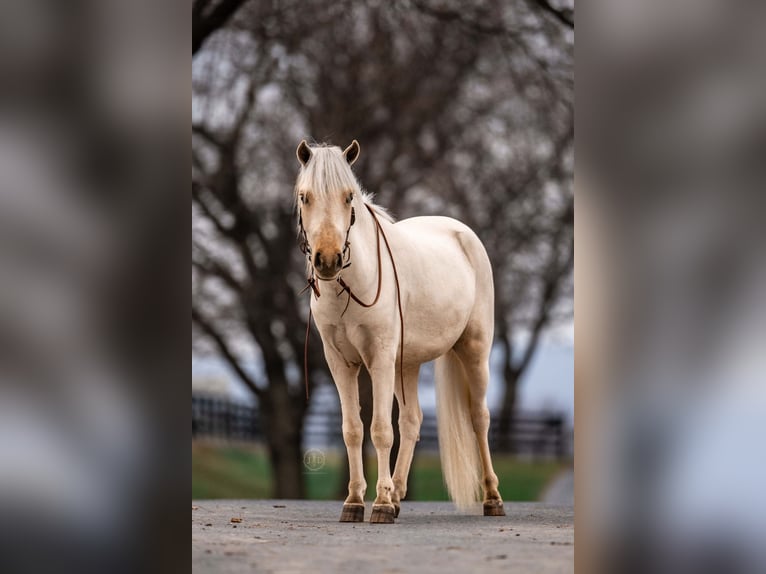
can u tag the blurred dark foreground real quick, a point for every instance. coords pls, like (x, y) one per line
(670, 279)
(670, 273)
(94, 116)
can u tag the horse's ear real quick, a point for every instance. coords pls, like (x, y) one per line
(303, 152)
(351, 153)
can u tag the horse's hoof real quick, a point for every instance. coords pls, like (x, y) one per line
(383, 514)
(352, 512)
(494, 508)
(397, 508)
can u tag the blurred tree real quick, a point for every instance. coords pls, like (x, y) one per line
(208, 16)
(460, 111)
(244, 289)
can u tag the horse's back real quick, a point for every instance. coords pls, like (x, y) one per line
(438, 234)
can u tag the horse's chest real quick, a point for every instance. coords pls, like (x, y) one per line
(342, 341)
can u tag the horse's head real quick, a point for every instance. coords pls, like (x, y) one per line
(325, 191)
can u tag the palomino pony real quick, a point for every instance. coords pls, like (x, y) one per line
(422, 293)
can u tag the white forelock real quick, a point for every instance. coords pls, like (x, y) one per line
(327, 172)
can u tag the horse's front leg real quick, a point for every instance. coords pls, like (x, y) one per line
(382, 432)
(346, 380)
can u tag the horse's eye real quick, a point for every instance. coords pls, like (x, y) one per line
(350, 198)
(304, 201)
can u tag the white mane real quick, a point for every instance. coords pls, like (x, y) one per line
(328, 172)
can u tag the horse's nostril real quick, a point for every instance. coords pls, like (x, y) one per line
(318, 259)
(338, 260)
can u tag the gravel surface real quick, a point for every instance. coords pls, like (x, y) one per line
(305, 536)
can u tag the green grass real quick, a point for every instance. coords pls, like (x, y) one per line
(243, 471)
(230, 472)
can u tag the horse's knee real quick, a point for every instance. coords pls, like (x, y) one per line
(353, 438)
(382, 433)
(353, 433)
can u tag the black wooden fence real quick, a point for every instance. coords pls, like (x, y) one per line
(535, 434)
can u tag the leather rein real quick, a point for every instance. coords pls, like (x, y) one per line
(346, 255)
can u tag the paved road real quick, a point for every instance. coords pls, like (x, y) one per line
(561, 490)
(304, 536)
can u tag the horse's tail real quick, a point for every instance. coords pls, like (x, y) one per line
(457, 441)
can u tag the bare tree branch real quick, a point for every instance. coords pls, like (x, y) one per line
(205, 22)
(223, 348)
(459, 16)
(564, 16)
(555, 273)
(205, 133)
(211, 268)
(197, 192)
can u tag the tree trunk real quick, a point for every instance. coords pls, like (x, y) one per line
(508, 408)
(287, 464)
(283, 418)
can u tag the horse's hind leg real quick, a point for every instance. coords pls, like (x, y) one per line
(410, 419)
(474, 354)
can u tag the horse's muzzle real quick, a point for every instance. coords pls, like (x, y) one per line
(328, 263)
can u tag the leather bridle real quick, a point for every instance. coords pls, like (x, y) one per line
(346, 257)
(305, 247)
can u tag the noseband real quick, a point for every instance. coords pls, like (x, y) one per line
(311, 281)
(305, 248)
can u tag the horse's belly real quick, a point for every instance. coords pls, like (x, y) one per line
(433, 327)
(423, 354)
